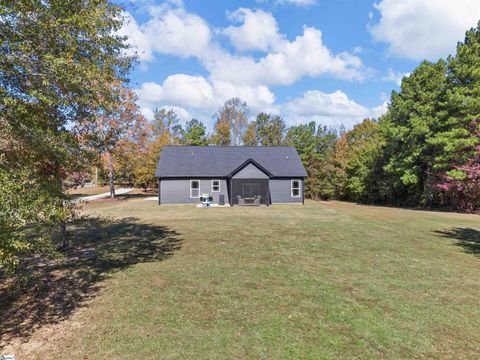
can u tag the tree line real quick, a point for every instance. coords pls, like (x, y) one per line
(65, 105)
(424, 151)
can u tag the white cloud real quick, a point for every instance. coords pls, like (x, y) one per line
(195, 96)
(378, 111)
(200, 96)
(288, 62)
(137, 40)
(259, 30)
(302, 3)
(169, 30)
(332, 109)
(172, 30)
(424, 29)
(181, 112)
(395, 77)
(298, 2)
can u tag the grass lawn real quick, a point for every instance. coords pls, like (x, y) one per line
(320, 281)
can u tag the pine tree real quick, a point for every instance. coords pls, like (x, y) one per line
(416, 115)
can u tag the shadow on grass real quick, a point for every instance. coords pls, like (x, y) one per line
(53, 289)
(467, 238)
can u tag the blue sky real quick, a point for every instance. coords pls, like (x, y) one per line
(335, 62)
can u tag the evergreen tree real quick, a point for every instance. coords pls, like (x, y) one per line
(459, 137)
(315, 147)
(416, 115)
(195, 133)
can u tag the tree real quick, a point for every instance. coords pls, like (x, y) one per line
(315, 145)
(167, 122)
(460, 139)
(56, 59)
(130, 150)
(431, 127)
(28, 216)
(339, 160)
(250, 137)
(118, 127)
(195, 133)
(363, 161)
(221, 135)
(148, 158)
(234, 115)
(416, 116)
(270, 129)
(461, 185)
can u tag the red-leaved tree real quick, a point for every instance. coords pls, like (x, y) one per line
(462, 184)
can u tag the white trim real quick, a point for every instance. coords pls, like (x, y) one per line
(299, 188)
(219, 186)
(194, 197)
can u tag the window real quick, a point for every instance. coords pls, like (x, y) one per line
(215, 185)
(295, 188)
(194, 188)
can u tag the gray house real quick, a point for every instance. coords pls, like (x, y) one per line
(232, 175)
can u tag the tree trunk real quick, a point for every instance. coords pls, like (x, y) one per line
(63, 234)
(111, 177)
(63, 224)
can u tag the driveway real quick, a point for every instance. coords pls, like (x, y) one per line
(120, 191)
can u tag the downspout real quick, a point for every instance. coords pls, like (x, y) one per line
(303, 191)
(269, 201)
(159, 192)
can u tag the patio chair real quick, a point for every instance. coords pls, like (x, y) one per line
(256, 202)
(241, 201)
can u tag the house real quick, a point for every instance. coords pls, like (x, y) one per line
(235, 175)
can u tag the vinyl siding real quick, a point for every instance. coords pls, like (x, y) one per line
(280, 191)
(250, 172)
(177, 191)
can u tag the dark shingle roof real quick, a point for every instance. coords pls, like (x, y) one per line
(220, 161)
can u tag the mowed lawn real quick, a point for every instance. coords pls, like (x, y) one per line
(320, 281)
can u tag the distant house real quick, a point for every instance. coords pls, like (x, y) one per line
(235, 175)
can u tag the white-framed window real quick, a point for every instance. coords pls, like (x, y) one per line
(295, 188)
(194, 188)
(215, 185)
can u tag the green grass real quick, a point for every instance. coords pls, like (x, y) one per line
(320, 281)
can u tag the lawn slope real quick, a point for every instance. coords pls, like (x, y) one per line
(320, 281)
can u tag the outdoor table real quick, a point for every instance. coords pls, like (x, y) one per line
(249, 200)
